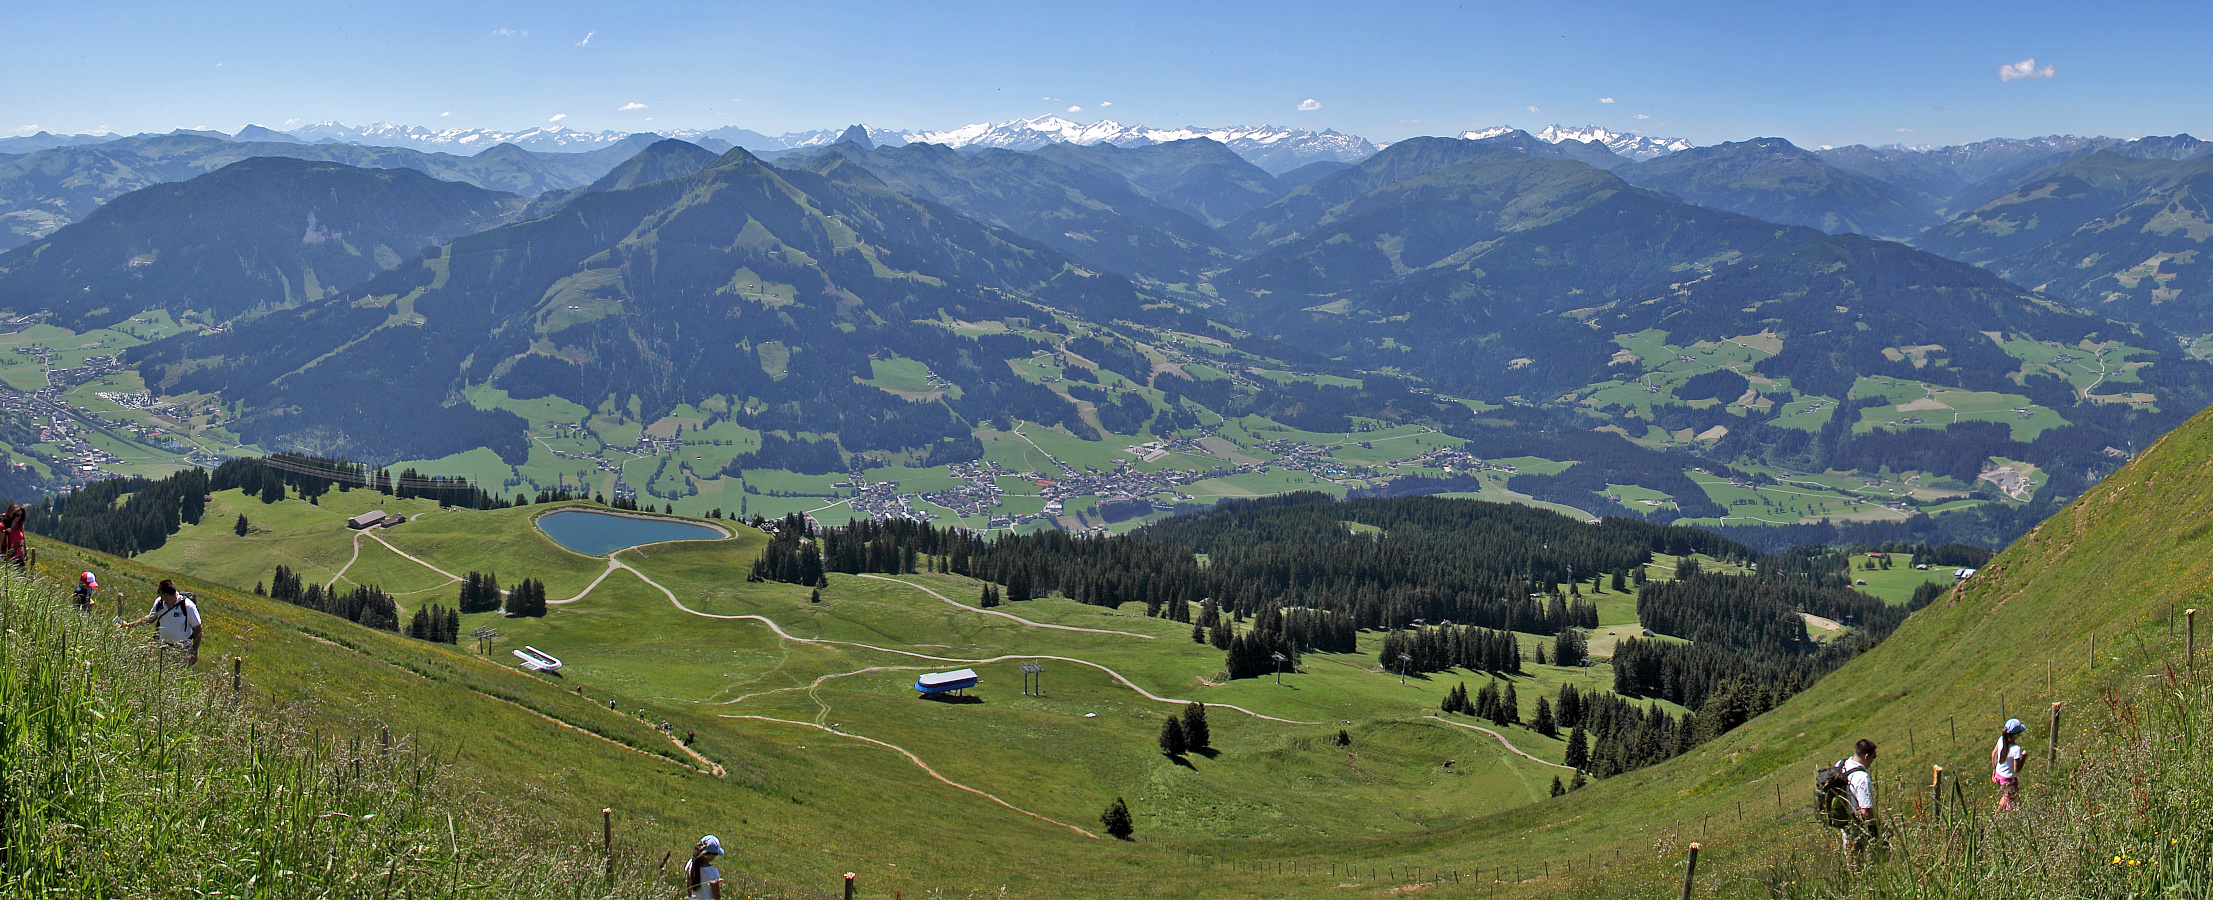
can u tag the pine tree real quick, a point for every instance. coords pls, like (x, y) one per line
(1509, 707)
(814, 595)
(1578, 753)
(1557, 789)
(1578, 783)
(1540, 654)
(1344, 738)
(1542, 723)
(258, 592)
(1196, 734)
(1198, 633)
(1171, 737)
(1117, 819)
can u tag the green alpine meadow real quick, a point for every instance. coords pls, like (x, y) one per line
(1087, 450)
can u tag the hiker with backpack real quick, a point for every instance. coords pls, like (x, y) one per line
(86, 585)
(702, 881)
(1847, 795)
(2005, 763)
(176, 619)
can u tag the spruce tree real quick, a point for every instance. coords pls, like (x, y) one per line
(814, 595)
(1557, 789)
(1117, 820)
(1578, 783)
(1579, 751)
(1509, 707)
(1540, 654)
(1196, 734)
(1543, 723)
(240, 528)
(1198, 633)
(1171, 737)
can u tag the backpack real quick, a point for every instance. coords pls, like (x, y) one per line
(1831, 789)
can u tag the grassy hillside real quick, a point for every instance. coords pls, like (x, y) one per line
(2011, 641)
(828, 764)
(821, 744)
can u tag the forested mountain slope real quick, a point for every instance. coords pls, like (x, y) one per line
(2111, 571)
(2121, 235)
(738, 280)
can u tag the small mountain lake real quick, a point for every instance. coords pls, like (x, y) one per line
(599, 534)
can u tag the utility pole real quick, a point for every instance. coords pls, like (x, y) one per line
(1403, 662)
(1280, 660)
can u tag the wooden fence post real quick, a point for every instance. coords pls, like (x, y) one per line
(607, 837)
(2190, 622)
(848, 886)
(1690, 871)
(237, 663)
(2051, 756)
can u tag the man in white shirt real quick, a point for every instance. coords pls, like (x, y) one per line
(1860, 789)
(177, 619)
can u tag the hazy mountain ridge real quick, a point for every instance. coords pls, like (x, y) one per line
(46, 189)
(267, 232)
(1089, 213)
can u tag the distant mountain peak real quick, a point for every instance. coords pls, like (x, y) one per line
(1634, 146)
(856, 135)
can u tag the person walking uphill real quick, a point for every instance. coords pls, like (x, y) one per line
(176, 618)
(1849, 794)
(702, 881)
(2005, 764)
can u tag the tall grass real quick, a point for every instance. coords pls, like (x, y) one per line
(124, 773)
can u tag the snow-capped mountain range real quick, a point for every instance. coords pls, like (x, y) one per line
(1634, 146)
(1271, 147)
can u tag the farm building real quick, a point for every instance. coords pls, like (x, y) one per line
(944, 682)
(369, 519)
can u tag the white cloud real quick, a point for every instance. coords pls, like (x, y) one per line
(440, 115)
(2024, 69)
(558, 117)
(1640, 116)
(1106, 103)
(1905, 131)
(630, 106)
(1827, 147)
(1534, 109)
(1075, 109)
(1309, 105)
(296, 121)
(1605, 99)
(24, 129)
(510, 32)
(587, 39)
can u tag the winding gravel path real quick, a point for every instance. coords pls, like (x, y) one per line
(780, 632)
(933, 773)
(1501, 739)
(993, 612)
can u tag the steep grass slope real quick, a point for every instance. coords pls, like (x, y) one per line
(2010, 641)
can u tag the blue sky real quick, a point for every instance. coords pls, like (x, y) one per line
(1873, 72)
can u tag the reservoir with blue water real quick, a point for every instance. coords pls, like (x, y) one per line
(599, 534)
